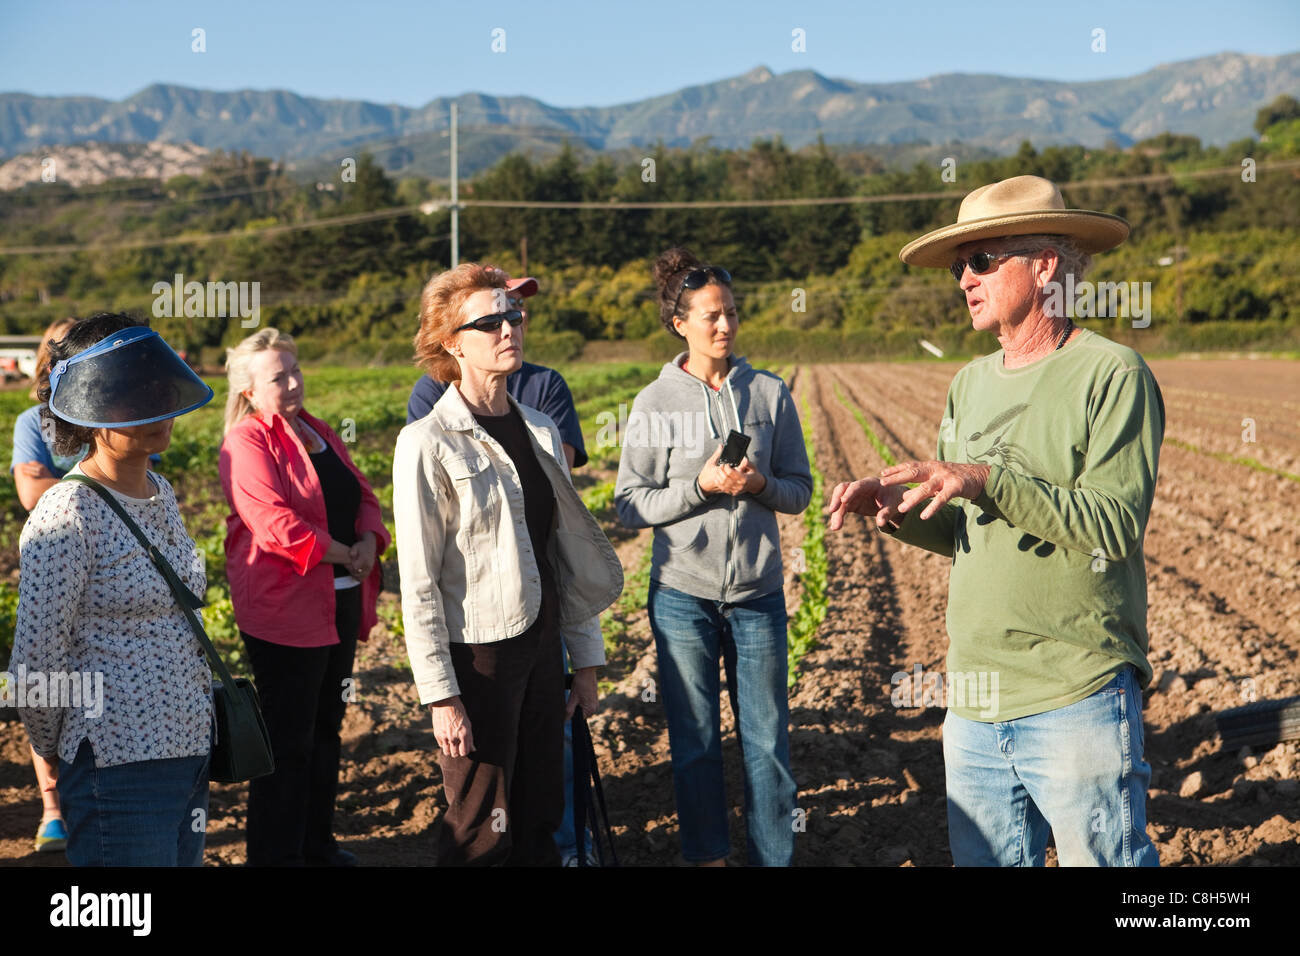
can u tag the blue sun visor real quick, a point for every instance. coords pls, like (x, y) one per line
(130, 378)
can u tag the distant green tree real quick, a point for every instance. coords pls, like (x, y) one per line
(372, 189)
(1170, 147)
(1281, 109)
(491, 231)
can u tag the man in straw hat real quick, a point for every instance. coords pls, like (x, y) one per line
(1040, 494)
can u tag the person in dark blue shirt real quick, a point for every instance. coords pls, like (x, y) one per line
(536, 386)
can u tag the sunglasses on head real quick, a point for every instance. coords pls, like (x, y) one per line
(698, 279)
(982, 262)
(490, 323)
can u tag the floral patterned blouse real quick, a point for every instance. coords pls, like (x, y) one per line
(93, 610)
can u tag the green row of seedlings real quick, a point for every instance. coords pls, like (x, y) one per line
(881, 448)
(1232, 459)
(808, 617)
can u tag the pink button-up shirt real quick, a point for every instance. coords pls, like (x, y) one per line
(277, 533)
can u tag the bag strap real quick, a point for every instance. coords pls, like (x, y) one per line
(186, 598)
(584, 753)
(581, 796)
(600, 795)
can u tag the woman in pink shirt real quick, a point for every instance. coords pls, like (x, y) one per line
(302, 542)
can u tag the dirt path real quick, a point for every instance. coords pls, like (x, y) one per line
(872, 774)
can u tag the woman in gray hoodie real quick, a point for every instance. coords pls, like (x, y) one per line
(716, 581)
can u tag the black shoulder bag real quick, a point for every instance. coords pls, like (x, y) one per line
(242, 749)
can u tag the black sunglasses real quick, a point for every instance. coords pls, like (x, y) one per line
(698, 279)
(490, 323)
(982, 262)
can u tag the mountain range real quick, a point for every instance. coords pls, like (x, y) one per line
(1214, 98)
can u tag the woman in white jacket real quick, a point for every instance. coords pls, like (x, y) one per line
(500, 561)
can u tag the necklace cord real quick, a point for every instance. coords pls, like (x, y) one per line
(1069, 327)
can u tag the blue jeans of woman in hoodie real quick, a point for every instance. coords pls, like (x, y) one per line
(690, 633)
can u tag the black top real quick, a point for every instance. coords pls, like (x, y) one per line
(512, 435)
(536, 386)
(342, 498)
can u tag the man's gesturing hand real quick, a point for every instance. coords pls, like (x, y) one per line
(866, 496)
(940, 480)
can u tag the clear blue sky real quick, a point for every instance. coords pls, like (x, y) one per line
(570, 53)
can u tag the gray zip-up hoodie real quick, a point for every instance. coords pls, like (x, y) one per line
(718, 547)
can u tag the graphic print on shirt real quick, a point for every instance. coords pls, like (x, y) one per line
(990, 444)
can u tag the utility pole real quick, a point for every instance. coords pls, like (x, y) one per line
(455, 191)
(1179, 253)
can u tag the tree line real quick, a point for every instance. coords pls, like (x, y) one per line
(353, 289)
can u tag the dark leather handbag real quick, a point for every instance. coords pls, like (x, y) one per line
(242, 749)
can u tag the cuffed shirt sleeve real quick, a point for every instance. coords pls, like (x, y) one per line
(584, 643)
(257, 495)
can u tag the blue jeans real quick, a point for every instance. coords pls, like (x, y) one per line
(1077, 771)
(147, 813)
(690, 633)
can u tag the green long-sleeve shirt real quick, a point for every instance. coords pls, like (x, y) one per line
(1047, 596)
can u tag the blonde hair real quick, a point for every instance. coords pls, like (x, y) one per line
(237, 374)
(440, 304)
(55, 332)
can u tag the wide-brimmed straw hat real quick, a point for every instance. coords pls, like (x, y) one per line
(1020, 206)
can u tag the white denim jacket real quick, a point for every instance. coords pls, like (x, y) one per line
(463, 549)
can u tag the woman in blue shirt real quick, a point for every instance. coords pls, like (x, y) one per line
(35, 468)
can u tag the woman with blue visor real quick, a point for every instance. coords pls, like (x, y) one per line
(115, 690)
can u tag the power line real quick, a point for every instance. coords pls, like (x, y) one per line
(610, 206)
(333, 222)
(1279, 164)
(818, 290)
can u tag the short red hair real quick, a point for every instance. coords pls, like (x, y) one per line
(440, 313)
